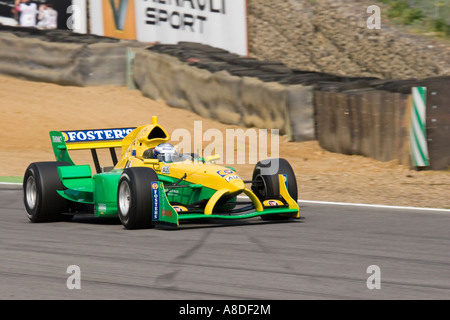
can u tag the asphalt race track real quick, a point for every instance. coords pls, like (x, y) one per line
(323, 256)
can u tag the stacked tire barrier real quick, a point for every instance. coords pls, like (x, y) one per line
(63, 57)
(438, 122)
(355, 116)
(364, 122)
(222, 86)
(363, 116)
(375, 120)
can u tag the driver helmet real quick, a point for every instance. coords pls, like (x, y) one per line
(165, 152)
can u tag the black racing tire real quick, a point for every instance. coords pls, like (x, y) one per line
(42, 202)
(266, 184)
(266, 171)
(134, 197)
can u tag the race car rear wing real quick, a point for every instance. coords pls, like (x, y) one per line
(63, 141)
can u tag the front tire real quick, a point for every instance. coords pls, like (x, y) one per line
(134, 197)
(42, 202)
(266, 184)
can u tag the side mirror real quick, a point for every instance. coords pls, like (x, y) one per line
(214, 157)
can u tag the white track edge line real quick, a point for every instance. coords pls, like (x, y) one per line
(375, 205)
(381, 206)
(369, 205)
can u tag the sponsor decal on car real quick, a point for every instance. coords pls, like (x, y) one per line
(285, 180)
(166, 213)
(57, 139)
(224, 172)
(101, 207)
(165, 170)
(180, 208)
(271, 203)
(232, 177)
(96, 135)
(155, 196)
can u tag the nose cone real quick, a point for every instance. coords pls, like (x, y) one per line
(211, 176)
(238, 184)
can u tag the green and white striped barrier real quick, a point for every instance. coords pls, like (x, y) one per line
(417, 135)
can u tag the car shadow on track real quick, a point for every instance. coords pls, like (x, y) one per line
(91, 219)
(212, 223)
(186, 225)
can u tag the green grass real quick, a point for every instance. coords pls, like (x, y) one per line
(400, 12)
(11, 179)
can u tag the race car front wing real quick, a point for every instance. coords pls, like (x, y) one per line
(163, 213)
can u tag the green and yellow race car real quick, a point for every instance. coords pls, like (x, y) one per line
(151, 183)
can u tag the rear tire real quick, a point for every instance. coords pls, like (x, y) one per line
(267, 185)
(134, 197)
(42, 202)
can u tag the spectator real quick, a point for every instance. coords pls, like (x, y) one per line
(27, 11)
(48, 17)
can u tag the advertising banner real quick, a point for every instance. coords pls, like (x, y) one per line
(219, 23)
